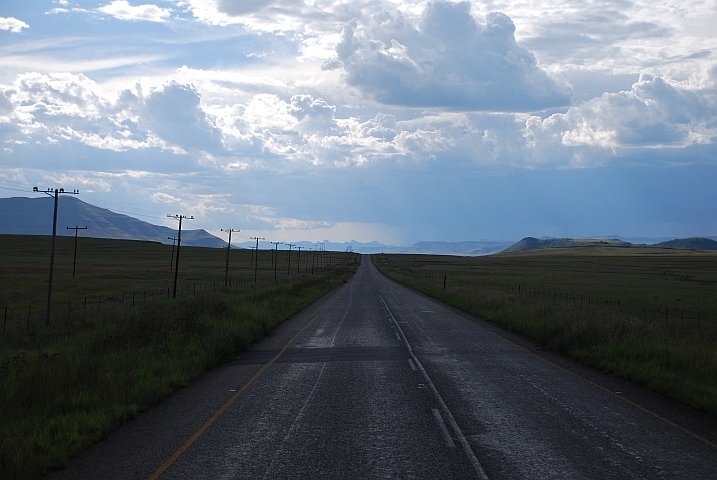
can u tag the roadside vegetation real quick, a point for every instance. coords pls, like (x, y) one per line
(645, 314)
(66, 385)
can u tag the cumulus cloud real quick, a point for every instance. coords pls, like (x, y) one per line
(653, 113)
(447, 59)
(122, 10)
(12, 24)
(175, 114)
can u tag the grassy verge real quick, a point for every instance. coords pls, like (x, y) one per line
(671, 359)
(68, 385)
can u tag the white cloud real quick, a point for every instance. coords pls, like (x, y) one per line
(653, 114)
(12, 24)
(448, 59)
(122, 10)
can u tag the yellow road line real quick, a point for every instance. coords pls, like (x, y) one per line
(223, 408)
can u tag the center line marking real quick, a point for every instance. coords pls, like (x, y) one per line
(442, 428)
(413, 365)
(451, 419)
(398, 337)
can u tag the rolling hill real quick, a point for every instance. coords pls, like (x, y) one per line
(532, 243)
(33, 216)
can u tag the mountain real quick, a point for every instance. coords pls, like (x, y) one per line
(695, 243)
(33, 216)
(470, 248)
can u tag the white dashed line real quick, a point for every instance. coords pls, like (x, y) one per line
(449, 416)
(413, 365)
(442, 428)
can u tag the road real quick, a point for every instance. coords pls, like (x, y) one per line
(377, 381)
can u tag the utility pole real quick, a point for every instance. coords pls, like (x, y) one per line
(298, 261)
(226, 268)
(74, 259)
(179, 243)
(56, 193)
(171, 260)
(288, 271)
(276, 257)
(256, 264)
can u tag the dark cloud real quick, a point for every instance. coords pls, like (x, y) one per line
(447, 60)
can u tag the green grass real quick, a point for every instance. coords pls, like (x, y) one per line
(66, 385)
(120, 267)
(567, 299)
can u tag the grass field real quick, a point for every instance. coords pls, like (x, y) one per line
(118, 268)
(646, 314)
(66, 385)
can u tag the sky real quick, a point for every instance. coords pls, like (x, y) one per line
(389, 120)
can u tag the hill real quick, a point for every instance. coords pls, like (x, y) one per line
(532, 243)
(33, 216)
(695, 243)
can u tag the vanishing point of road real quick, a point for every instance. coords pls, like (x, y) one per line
(378, 381)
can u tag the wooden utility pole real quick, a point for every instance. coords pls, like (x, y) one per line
(56, 193)
(74, 259)
(288, 271)
(276, 257)
(179, 243)
(256, 263)
(171, 260)
(298, 261)
(226, 268)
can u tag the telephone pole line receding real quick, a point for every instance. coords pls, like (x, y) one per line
(256, 263)
(229, 245)
(56, 193)
(74, 259)
(171, 260)
(179, 243)
(298, 261)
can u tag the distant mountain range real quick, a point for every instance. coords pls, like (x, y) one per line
(531, 243)
(33, 216)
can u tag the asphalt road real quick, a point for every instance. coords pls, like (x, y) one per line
(377, 381)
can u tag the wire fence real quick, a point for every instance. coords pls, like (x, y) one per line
(25, 318)
(671, 317)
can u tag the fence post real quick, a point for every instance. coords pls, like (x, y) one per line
(27, 327)
(445, 277)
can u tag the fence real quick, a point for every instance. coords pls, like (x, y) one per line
(35, 315)
(671, 317)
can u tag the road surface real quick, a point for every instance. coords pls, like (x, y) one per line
(378, 381)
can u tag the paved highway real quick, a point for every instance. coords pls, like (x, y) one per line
(377, 381)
